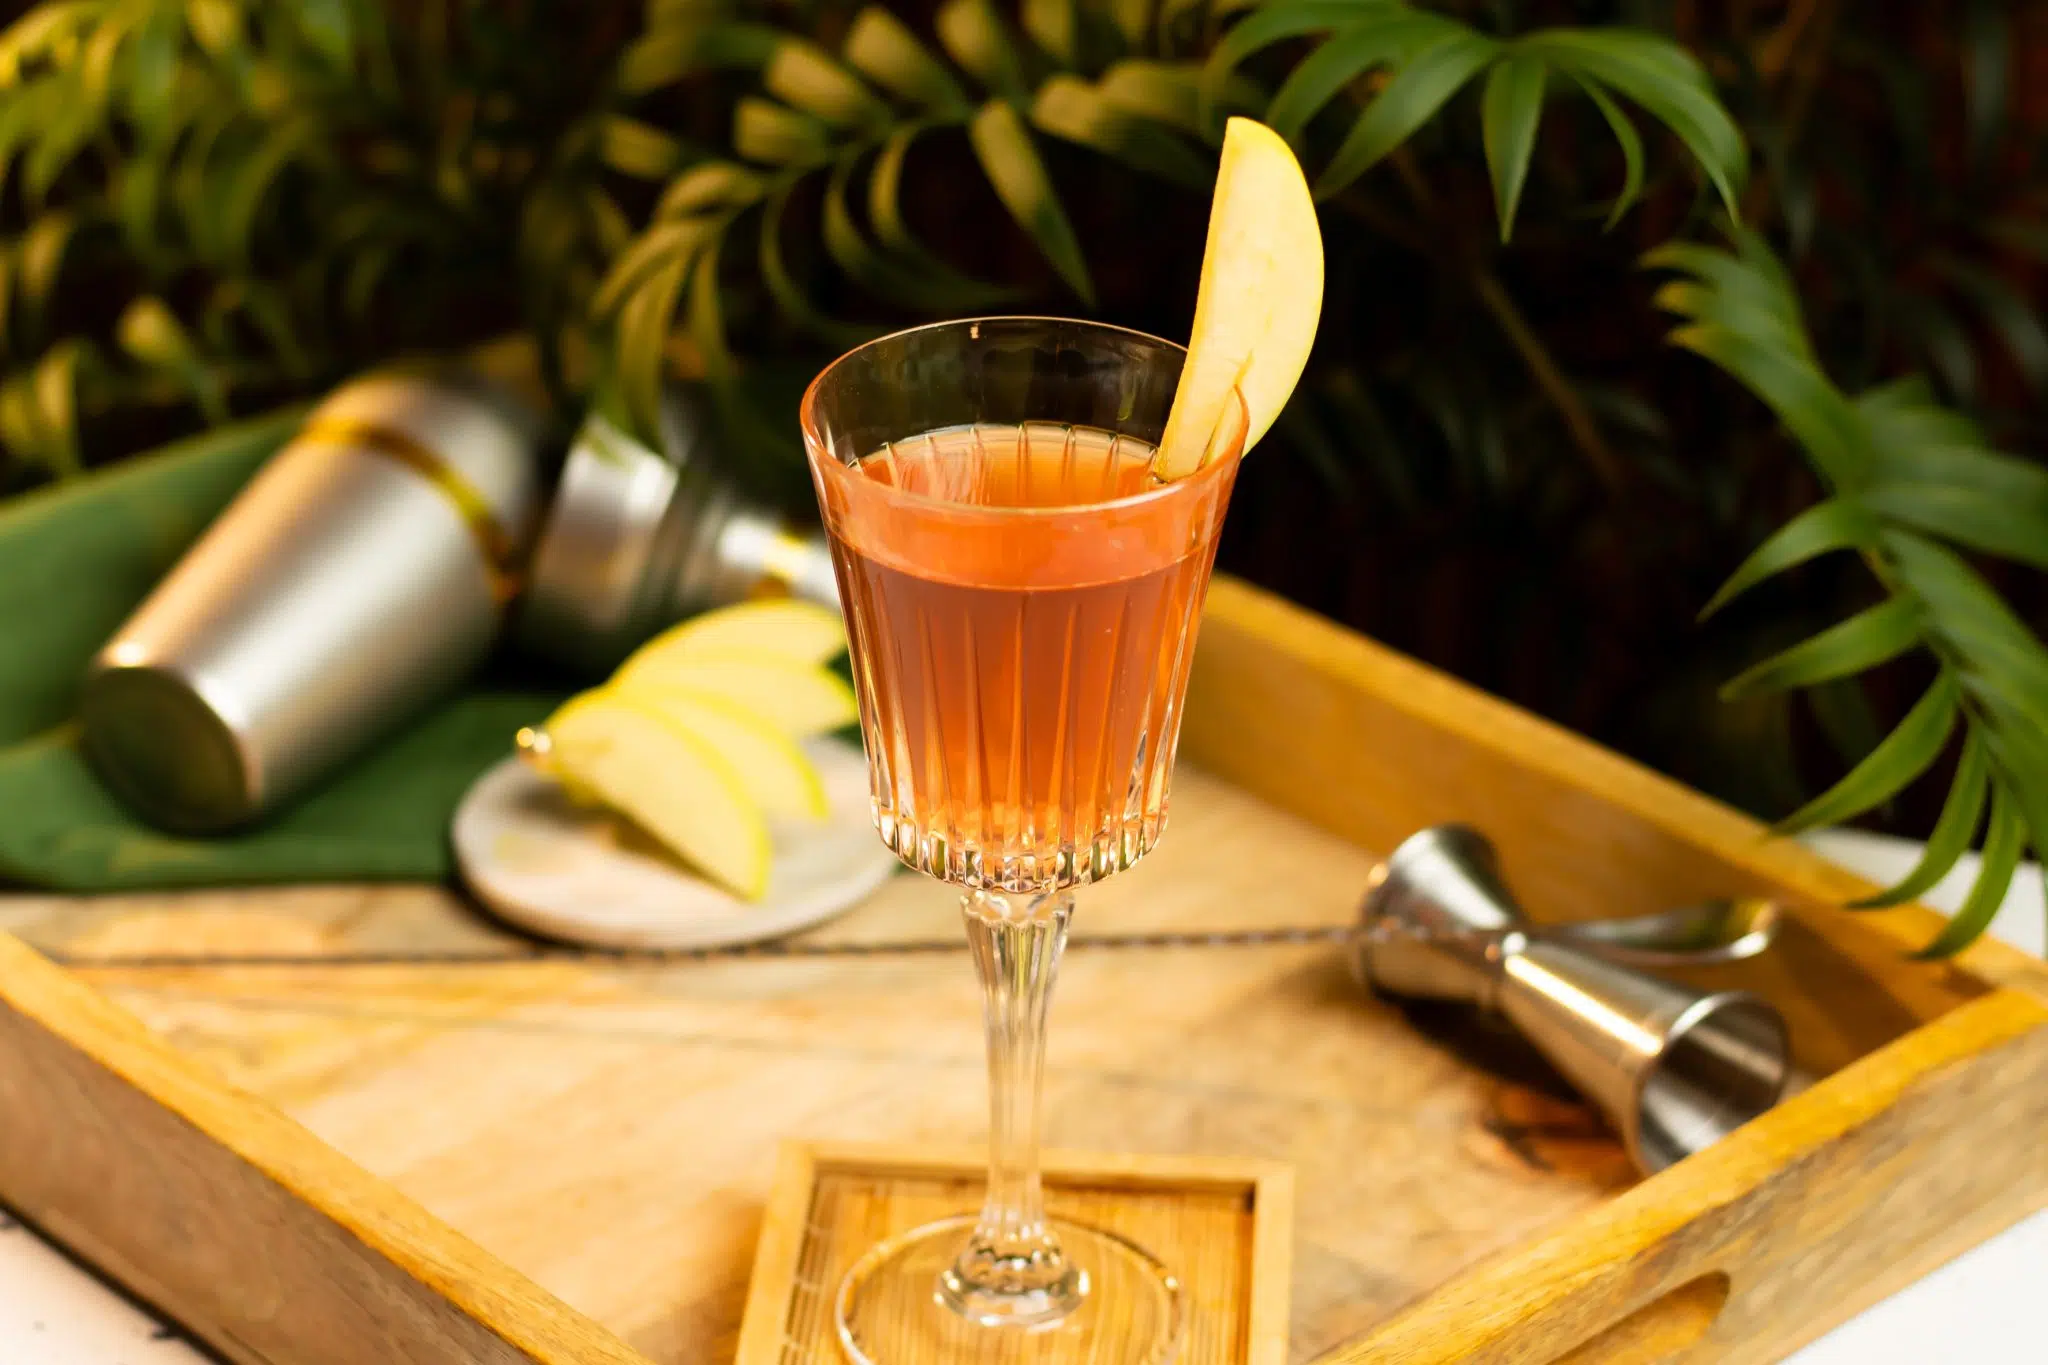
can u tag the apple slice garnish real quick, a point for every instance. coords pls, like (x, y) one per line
(1260, 299)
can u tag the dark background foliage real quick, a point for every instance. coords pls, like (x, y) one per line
(1494, 463)
(1436, 502)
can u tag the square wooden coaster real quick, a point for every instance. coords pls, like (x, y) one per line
(1224, 1226)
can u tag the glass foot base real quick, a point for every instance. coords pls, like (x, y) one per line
(893, 1306)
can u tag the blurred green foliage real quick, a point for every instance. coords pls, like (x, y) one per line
(209, 205)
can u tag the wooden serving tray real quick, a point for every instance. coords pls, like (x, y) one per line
(565, 1162)
(1226, 1224)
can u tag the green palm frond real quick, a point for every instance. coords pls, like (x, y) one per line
(1421, 60)
(257, 181)
(847, 123)
(191, 138)
(1912, 488)
(1080, 74)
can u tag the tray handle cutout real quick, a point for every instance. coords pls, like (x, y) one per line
(1662, 1331)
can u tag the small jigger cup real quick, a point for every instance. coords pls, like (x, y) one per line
(1672, 1068)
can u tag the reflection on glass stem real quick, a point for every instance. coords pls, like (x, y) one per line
(1012, 1269)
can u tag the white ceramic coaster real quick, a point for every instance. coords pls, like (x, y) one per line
(585, 876)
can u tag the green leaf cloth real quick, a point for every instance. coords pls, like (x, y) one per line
(74, 561)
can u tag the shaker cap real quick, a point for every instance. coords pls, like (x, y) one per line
(614, 537)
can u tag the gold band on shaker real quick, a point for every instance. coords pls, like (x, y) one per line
(475, 510)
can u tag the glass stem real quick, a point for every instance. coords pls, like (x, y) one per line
(1012, 1270)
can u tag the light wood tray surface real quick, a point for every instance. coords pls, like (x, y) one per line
(604, 1138)
(612, 1132)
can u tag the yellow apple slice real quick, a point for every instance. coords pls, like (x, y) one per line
(1260, 298)
(800, 699)
(776, 773)
(802, 632)
(679, 789)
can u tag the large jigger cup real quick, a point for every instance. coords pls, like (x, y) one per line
(1673, 1069)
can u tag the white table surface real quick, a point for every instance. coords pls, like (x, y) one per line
(1977, 1308)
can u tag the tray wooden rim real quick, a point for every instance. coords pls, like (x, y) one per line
(1586, 1277)
(1564, 1275)
(1589, 1274)
(798, 1162)
(1435, 699)
(238, 1145)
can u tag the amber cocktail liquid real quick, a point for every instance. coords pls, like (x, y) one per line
(1020, 683)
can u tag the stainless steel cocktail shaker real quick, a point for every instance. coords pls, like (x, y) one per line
(363, 572)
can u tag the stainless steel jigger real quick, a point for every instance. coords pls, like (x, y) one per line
(1674, 1069)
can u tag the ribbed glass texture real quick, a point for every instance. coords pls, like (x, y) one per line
(1022, 598)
